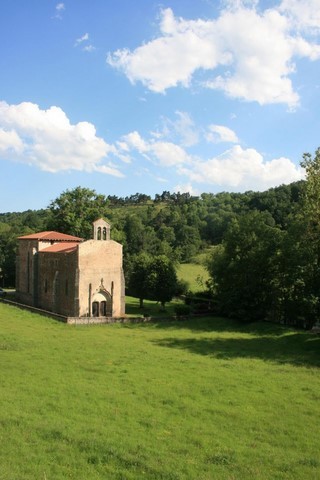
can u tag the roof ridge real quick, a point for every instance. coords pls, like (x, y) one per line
(51, 235)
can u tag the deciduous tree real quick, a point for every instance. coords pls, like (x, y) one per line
(74, 211)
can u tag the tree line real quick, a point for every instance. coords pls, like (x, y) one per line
(265, 270)
(265, 245)
(175, 225)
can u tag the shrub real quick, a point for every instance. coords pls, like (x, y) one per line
(182, 310)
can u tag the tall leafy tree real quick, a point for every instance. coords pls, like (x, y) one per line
(152, 278)
(244, 267)
(311, 213)
(74, 211)
(311, 199)
(162, 280)
(294, 297)
(138, 273)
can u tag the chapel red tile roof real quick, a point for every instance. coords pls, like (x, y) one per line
(61, 247)
(51, 237)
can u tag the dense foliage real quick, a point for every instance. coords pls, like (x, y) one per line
(263, 271)
(176, 225)
(266, 245)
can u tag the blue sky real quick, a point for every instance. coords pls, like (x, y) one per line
(124, 97)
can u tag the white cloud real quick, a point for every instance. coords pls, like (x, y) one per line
(60, 7)
(82, 39)
(165, 154)
(304, 14)
(10, 142)
(89, 48)
(238, 169)
(243, 169)
(186, 188)
(236, 4)
(47, 140)
(135, 141)
(183, 128)
(220, 133)
(168, 154)
(256, 51)
(172, 58)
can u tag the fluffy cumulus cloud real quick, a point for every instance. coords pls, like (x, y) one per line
(243, 169)
(187, 188)
(46, 139)
(255, 51)
(237, 169)
(220, 133)
(304, 14)
(162, 153)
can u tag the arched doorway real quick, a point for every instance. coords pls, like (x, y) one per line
(101, 304)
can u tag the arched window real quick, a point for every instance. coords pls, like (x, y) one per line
(104, 233)
(99, 233)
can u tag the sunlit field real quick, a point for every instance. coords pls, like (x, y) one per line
(195, 274)
(198, 399)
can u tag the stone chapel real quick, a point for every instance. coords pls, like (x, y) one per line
(70, 276)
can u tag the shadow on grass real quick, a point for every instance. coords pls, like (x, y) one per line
(215, 324)
(295, 348)
(150, 308)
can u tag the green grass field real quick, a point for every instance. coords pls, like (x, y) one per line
(195, 274)
(205, 399)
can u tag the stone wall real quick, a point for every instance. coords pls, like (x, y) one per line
(26, 271)
(57, 283)
(100, 269)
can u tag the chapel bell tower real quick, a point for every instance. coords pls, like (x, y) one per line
(101, 230)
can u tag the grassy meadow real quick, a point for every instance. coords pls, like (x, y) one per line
(195, 274)
(202, 399)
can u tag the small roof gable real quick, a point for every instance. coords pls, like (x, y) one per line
(61, 247)
(51, 236)
(101, 221)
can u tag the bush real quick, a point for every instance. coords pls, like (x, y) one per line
(182, 310)
(182, 287)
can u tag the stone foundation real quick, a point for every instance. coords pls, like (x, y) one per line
(104, 320)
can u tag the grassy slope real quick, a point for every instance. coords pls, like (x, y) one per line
(208, 399)
(195, 274)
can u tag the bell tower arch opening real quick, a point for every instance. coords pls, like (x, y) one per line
(101, 230)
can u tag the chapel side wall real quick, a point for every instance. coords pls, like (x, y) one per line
(58, 289)
(100, 260)
(25, 271)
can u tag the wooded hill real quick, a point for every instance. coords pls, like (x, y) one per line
(265, 246)
(172, 224)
